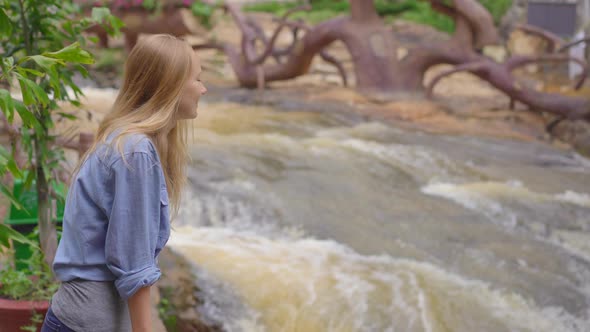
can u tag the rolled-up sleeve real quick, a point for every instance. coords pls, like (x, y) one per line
(133, 225)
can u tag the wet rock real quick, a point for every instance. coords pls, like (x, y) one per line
(178, 291)
(577, 133)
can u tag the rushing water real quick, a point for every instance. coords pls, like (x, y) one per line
(314, 221)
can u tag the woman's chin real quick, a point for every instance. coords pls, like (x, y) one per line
(188, 115)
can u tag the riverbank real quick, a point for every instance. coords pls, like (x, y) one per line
(462, 105)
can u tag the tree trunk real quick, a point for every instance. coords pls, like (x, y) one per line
(47, 232)
(363, 11)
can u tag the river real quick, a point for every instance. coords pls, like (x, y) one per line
(301, 220)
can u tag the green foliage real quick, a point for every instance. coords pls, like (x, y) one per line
(19, 285)
(203, 12)
(167, 311)
(497, 8)
(34, 283)
(42, 48)
(7, 234)
(109, 59)
(5, 24)
(103, 16)
(422, 13)
(36, 319)
(413, 10)
(321, 10)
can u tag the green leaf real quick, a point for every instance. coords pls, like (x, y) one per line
(13, 168)
(73, 86)
(4, 241)
(102, 16)
(72, 53)
(27, 94)
(67, 116)
(6, 103)
(60, 190)
(100, 13)
(82, 70)
(40, 93)
(55, 82)
(149, 4)
(6, 232)
(10, 197)
(27, 142)
(46, 62)
(116, 25)
(24, 71)
(5, 24)
(9, 61)
(201, 9)
(4, 156)
(67, 26)
(75, 103)
(6, 65)
(30, 90)
(29, 180)
(29, 119)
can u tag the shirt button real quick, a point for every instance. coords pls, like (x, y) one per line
(145, 281)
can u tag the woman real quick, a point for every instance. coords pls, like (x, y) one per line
(116, 218)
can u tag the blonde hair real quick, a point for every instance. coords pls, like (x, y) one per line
(155, 72)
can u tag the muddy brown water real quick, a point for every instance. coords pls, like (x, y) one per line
(307, 220)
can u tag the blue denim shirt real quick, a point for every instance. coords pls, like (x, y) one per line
(116, 218)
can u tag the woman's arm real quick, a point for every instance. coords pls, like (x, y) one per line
(140, 310)
(133, 231)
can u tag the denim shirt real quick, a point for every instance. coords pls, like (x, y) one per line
(116, 218)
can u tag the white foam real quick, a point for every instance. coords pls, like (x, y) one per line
(573, 197)
(486, 198)
(469, 194)
(314, 281)
(473, 200)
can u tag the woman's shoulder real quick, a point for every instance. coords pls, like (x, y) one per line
(138, 143)
(116, 148)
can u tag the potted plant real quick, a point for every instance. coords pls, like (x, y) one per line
(41, 47)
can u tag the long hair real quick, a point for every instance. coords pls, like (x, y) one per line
(155, 72)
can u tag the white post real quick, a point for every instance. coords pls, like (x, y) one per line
(584, 15)
(585, 24)
(577, 51)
